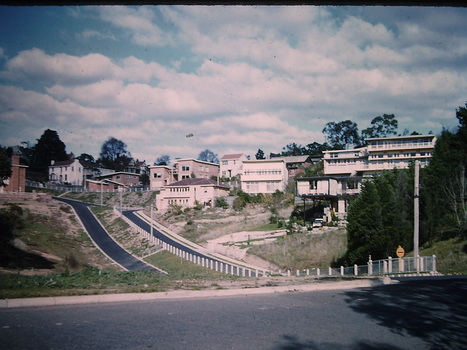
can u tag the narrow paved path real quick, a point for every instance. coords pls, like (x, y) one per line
(106, 243)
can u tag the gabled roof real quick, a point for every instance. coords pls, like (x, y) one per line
(232, 156)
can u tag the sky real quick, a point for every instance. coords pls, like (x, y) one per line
(176, 80)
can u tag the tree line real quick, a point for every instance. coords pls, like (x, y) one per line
(382, 217)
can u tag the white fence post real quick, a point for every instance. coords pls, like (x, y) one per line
(433, 269)
(390, 264)
(330, 271)
(355, 269)
(370, 267)
(318, 271)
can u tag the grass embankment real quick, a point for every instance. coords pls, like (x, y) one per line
(451, 255)
(86, 277)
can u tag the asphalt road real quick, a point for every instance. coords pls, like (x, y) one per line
(104, 241)
(414, 314)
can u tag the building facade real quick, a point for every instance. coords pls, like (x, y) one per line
(68, 172)
(380, 154)
(231, 165)
(264, 176)
(17, 181)
(335, 190)
(190, 192)
(122, 178)
(163, 175)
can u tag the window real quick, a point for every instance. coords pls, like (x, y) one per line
(225, 162)
(185, 168)
(313, 185)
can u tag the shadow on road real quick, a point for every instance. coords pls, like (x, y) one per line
(434, 310)
(292, 343)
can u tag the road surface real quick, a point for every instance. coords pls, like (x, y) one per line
(413, 314)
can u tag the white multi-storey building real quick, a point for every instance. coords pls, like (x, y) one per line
(380, 154)
(346, 169)
(264, 176)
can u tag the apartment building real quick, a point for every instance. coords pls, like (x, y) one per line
(264, 176)
(380, 154)
(346, 169)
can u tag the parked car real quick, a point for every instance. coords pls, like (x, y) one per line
(317, 223)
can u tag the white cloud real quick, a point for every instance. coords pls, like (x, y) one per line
(63, 69)
(139, 22)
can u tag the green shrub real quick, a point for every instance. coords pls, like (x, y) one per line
(221, 203)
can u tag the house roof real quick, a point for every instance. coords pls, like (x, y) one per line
(232, 156)
(294, 159)
(63, 163)
(196, 182)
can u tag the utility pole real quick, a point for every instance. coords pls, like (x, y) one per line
(416, 215)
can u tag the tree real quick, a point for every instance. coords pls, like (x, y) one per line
(208, 156)
(84, 157)
(381, 127)
(292, 149)
(260, 154)
(5, 166)
(163, 160)
(364, 224)
(316, 149)
(339, 135)
(49, 147)
(114, 154)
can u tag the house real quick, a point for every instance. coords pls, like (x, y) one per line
(338, 191)
(67, 172)
(297, 164)
(231, 165)
(105, 185)
(190, 192)
(160, 176)
(122, 178)
(264, 176)
(17, 181)
(163, 175)
(136, 167)
(380, 154)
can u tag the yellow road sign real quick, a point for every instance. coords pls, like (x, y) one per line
(400, 252)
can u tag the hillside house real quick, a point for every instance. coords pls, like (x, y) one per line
(189, 192)
(163, 175)
(264, 176)
(297, 164)
(231, 165)
(67, 172)
(122, 178)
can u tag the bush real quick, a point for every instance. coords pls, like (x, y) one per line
(221, 203)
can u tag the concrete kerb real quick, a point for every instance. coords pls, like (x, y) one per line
(182, 294)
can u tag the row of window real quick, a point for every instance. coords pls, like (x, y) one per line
(263, 172)
(66, 169)
(179, 189)
(177, 201)
(400, 143)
